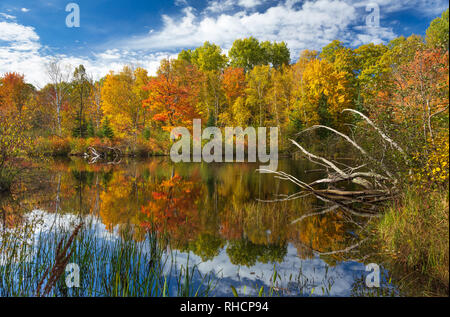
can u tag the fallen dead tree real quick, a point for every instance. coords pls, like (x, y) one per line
(376, 183)
(104, 153)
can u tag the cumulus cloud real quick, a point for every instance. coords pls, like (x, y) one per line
(220, 6)
(25, 10)
(311, 24)
(22, 52)
(249, 3)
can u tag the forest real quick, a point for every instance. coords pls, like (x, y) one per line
(401, 87)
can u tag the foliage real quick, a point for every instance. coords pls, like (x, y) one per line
(249, 52)
(53, 146)
(435, 171)
(326, 93)
(106, 130)
(14, 143)
(437, 32)
(122, 98)
(171, 94)
(208, 57)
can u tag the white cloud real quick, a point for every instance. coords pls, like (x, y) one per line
(7, 16)
(220, 6)
(249, 3)
(22, 52)
(25, 10)
(301, 24)
(312, 25)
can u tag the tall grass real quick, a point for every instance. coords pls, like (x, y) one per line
(415, 231)
(109, 265)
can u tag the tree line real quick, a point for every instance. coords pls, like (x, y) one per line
(403, 82)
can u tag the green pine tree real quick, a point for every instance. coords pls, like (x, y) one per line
(107, 131)
(90, 129)
(80, 128)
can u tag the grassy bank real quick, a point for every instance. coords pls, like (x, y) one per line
(415, 231)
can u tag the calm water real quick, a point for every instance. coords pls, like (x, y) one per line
(215, 215)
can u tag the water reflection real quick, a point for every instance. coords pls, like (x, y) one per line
(210, 213)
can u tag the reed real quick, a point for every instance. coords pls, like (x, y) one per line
(33, 264)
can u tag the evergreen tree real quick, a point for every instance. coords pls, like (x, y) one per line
(80, 129)
(107, 131)
(90, 131)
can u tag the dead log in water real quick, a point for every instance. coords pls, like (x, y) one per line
(377, 184)
(106, 153)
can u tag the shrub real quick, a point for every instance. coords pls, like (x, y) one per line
(148, 148)
(52, 146)
(435, 170)
(59, 146)
(77, 145)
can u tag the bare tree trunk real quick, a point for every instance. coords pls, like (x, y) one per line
(58, 76)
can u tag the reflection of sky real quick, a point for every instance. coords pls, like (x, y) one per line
(313, 274)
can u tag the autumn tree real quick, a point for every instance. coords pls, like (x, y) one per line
(249, 52)
(258, 86)
(233, 86)
(369, 72)
(14, 91)
(14, 143)
(208, 57)
(95, 99)
(280, 94)
(173, 94)
(42, 113)
(122, 100)
(210, 60)
(437, 32)
(325, 93)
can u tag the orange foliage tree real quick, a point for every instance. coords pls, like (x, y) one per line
(173, 94)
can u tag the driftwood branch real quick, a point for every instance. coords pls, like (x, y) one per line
(381, 133)
(377, 185)
(94, 154)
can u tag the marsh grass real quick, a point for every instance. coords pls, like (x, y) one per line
(110, 266)
(415, 232)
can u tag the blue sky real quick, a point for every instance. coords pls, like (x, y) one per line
(142, 32)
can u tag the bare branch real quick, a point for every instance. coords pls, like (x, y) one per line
(382, 134)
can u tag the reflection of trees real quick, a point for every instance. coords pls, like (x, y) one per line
(10, 216)
(207, 246)
(121, 201)
(199, 207)
(173, 209)
(322, 233)
(244, 252)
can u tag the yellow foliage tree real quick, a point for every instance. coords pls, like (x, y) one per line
(325, 94)
(122, 98)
